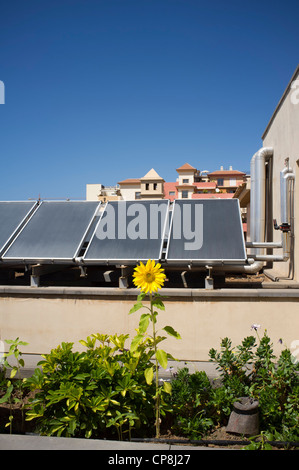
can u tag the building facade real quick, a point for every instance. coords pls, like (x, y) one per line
(190, 184)
(282, 135)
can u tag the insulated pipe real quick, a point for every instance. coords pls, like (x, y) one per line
(259, 201)
(286, 176)
(252, 198)
(283, 196)
(257, 214)
(258, 196)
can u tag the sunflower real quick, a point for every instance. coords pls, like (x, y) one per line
(149, 277)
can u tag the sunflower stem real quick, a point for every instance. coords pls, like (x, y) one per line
(157, 398)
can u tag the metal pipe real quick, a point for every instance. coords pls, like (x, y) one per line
(283, 195)
(259, 200)
(286, 176)
(252, 198)
(263, 244)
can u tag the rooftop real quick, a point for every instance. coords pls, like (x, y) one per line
(227, 172)
(130, 181)
(186, 166)
(152, 175)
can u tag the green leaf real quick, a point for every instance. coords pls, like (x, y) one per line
(149, 375)
(172, 332)
(144, 321)
(157, 302)
(141, 296)
(81, 376)
(167, 387)
(162, 358)
(7, 394)
(136, 307)
(135, 342)
(14, 370)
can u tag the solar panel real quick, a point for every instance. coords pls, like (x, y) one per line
(128, 231)
(13, 215)
(206, 232)
(55, 232)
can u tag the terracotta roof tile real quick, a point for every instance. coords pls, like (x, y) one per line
(130, 181)
(186, 166)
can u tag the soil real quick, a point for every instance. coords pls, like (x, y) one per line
(15, 409)
(218, 434)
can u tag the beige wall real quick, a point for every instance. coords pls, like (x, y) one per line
(188, 188)
(151, 192)
(92, 192)
(44, 317)
(128, 191)
(283, 135)
(185, 174)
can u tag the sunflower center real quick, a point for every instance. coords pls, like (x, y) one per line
(149, 277)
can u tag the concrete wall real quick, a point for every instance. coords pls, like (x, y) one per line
(282, 134)
(44, 317)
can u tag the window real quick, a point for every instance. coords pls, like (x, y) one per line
(184, 194)
(186, 180)
(220, 182)
(171, 193)
(138, 195)
(155, 186)
(147, 186)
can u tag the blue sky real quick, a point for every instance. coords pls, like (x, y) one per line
(97, 91)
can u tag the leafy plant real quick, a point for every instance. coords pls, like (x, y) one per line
(190, 402)
(253, 369)
(259, 442)
(13, 386)
(84, 394)
(234, 362)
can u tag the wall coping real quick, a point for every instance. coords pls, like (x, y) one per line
(289, 291)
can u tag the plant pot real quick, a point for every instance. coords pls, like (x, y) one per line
(244, 419)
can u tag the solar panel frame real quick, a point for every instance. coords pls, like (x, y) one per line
(39, 257)
(210, 261)
(16, 227)
(127, 260)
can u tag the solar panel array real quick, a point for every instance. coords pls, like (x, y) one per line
(206, 232)
(129, 231)
(122, 232)
(54, 232)
(13, 215)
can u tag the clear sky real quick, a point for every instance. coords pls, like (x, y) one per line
(97, 91)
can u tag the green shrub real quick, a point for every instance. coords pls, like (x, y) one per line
(250, 369)
(190, 402)
(84, 394)
(253, 370)
(12, 388)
